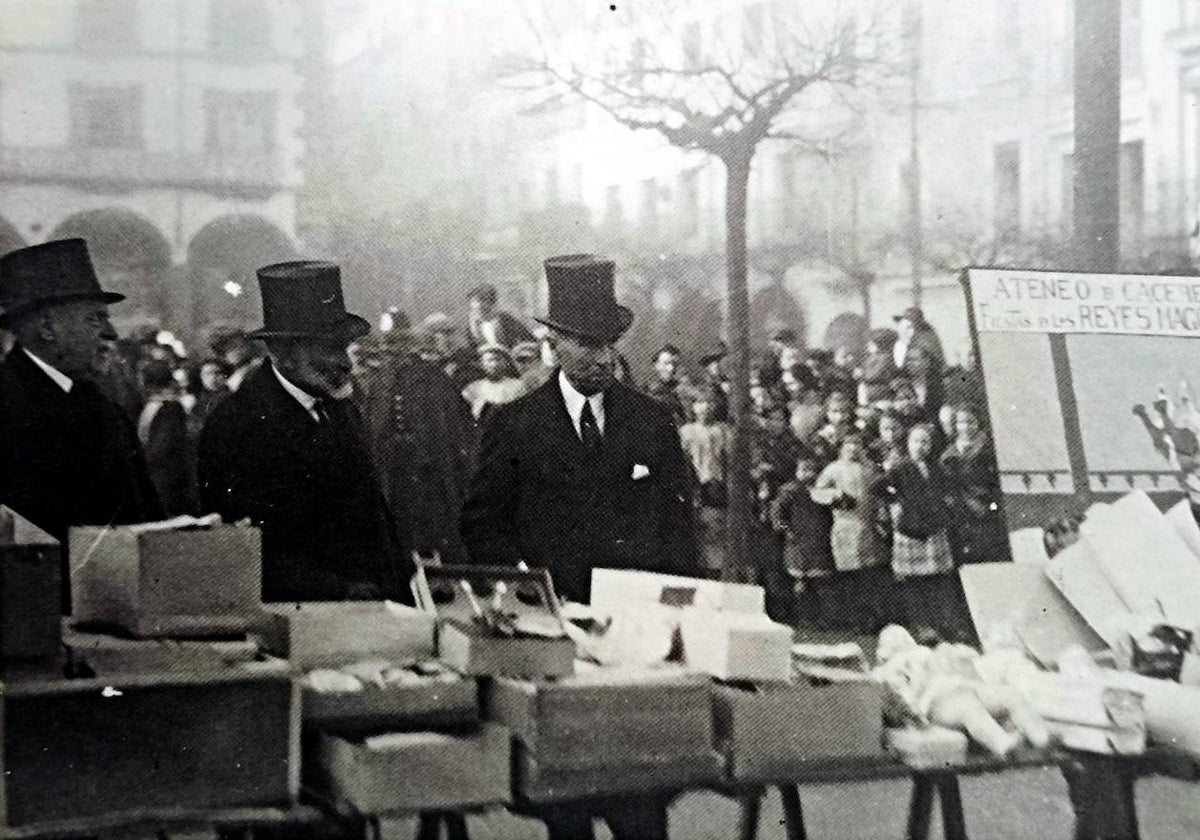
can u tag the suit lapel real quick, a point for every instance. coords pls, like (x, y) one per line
(283, 415)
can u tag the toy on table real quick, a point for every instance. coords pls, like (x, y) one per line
(944, 686)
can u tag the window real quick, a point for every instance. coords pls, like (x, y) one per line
(106, 25)
(1009, 24)
(1006, 180)
(1068, 193)
(239, 122)
(689, 202)
(1132, 197)
(614, 212)
(649, 215)
(240, 28)
(692, 57)
(753, 26)
(106, 117)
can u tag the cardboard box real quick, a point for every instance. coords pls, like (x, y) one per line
(572, 724)
(30, 600)
(87, 648)
(535, 783)
(429, 771)
(198, 582)
(736, 646)
(433, 704)
(74, 749)
(468, 649)
(621, 587)
(323, 634)
(766, 734)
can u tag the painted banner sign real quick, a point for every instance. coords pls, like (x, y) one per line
(1065, 303)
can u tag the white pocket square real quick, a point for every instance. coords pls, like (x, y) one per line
(640, 471)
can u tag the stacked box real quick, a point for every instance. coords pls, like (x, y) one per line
(736, 646)
(30, 589)
(196, 582)
(329, 635)
(587, 736)
(418, 771)
(766, 734)
(153, 743)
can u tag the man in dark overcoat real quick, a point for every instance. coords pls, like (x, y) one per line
(68, 455)
(287, 450)
(584, 473)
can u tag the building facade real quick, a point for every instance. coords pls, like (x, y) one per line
(168, 133)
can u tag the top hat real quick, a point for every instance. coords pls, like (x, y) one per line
(582, 297)
(913, 313)
(46, 274)
(303, 299)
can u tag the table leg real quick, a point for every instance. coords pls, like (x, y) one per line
(1102, 795)
(456, 826)
(793, 814)
(954, 825)
(748, 819)
(920, 807)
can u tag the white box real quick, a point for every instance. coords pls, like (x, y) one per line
(621, 587)
(736, 646)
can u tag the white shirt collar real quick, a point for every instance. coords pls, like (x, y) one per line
(307, 401)
(575, 401)
(60, 379)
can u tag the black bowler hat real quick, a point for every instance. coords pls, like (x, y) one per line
(303, 299)
(46, 274)
(713, 353)
(582, 297)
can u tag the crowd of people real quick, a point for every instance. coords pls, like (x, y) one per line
(874, 478)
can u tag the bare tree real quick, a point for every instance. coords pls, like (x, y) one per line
(720, 79)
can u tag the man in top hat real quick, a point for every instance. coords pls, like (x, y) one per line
(287, 450)
(68, 455)
(583, 473)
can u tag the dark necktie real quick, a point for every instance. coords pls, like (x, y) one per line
(588, 429)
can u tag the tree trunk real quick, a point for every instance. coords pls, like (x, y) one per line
(738, 563)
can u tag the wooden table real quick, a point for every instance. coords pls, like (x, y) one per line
(942, 783)
(230, 821)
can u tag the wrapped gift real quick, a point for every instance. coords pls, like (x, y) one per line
(495, 620)
(155, 581)
(736, 646)
(411, 771)
(620, 587)
(30, 589)
(766, 733)
(605, 719)
(146, 743)
(361, 666)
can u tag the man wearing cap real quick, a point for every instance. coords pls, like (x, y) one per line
(487, 324)
(288, 451)
(584, 473)
(713, 381)
(68, 455)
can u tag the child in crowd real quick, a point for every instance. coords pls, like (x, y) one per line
(826, 443)
(977, 533)
(905, 404)
(500, 383)
(889, 445)
(921, 560)
(806, 527)
(847, 487)
(706, 443)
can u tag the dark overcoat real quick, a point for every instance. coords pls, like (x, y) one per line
(540, 496)
(312, 488)
(68, 458)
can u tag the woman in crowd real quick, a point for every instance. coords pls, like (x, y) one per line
(706, 442)
(500, 383)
